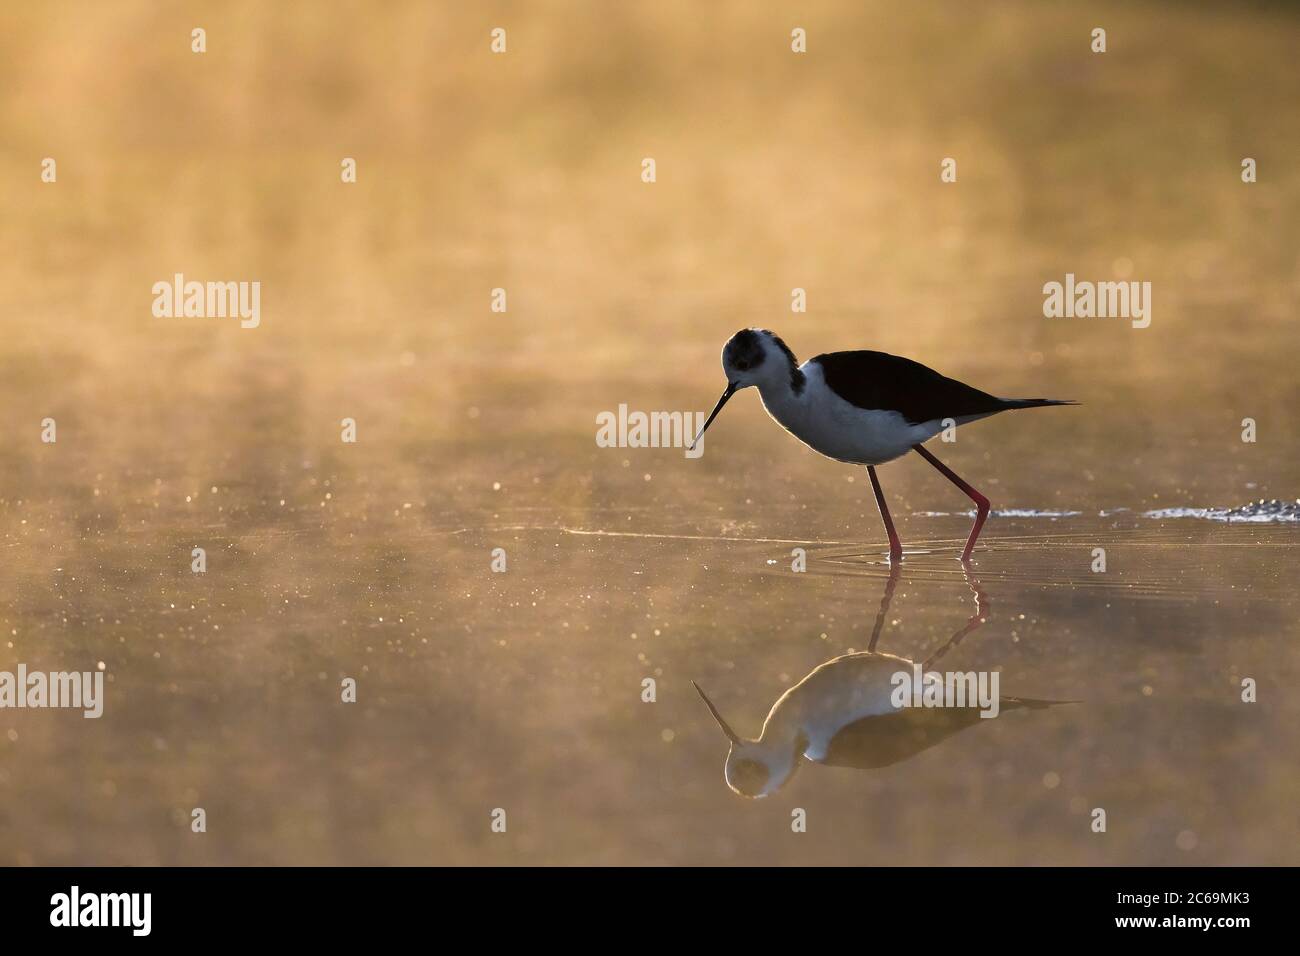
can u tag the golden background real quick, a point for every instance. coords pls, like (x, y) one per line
(522, 171)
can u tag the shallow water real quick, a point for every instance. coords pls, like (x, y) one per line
(523, 690)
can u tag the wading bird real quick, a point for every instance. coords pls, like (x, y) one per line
(841, 715)
(845, 713)
(864, 408)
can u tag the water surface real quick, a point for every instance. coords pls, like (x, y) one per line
(523, 690)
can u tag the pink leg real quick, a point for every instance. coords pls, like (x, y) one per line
(895, 570)
(895, 549)
(976, 621)
(981, 503)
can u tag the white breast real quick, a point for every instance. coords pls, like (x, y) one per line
(838, 429)
(836, 694)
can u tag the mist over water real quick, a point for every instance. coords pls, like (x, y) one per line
(476, 430)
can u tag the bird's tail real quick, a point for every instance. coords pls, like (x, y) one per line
(1035, 402)
(1034, 703)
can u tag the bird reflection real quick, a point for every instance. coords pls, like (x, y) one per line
(842, 714)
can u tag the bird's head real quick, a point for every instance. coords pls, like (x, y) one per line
(756, 357)
(754, 768)
(753, 357)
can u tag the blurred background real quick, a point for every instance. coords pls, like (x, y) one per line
(476, 429)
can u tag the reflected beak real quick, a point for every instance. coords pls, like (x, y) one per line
(731, 390)
(731, 735)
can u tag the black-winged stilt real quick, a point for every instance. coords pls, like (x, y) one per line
(844, 714)
(864, 408)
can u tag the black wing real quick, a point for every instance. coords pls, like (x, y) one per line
(886, 739)
(878, 380)
(879, 741)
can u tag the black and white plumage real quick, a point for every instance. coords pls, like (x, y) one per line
(878, 380)
(843, 714)
(848, 713)
(860, 407)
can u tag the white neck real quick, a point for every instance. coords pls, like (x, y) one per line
(781, 401)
